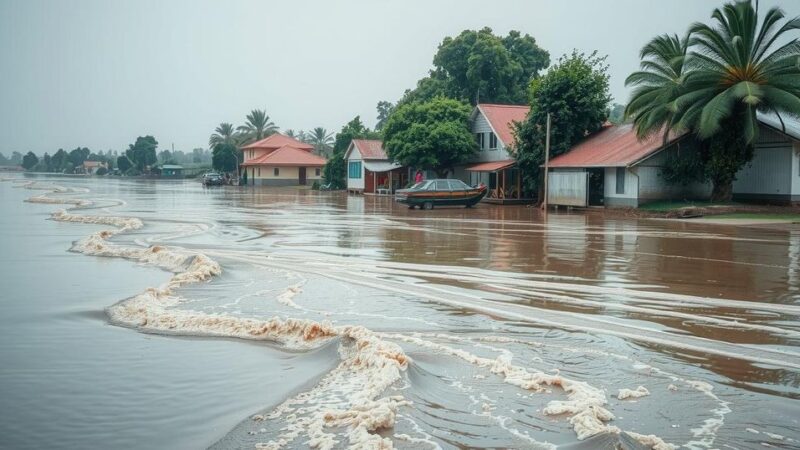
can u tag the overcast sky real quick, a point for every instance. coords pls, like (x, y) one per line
(100, 73)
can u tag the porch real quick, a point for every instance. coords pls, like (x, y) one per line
(503, 180)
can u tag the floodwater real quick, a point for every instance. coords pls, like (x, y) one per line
(142, 314)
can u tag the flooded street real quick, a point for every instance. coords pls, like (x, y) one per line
(153, 314)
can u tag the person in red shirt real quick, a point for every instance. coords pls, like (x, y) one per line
(418, 178)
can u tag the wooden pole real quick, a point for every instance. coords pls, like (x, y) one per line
(546, 161)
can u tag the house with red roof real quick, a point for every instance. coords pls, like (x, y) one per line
(614, 168)
(494, 164)
(279, 160)
(369, 170)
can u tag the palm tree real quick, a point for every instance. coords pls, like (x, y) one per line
(291, 133)
(223, 134)
(257, 126)
(657, 85)
(321, 140)
(732, 71)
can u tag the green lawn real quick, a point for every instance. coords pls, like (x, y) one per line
(756, 215)
(665, 206)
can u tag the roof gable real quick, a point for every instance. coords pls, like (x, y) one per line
(368, 149)
(501, 118)
(278, 140)
(288, 156)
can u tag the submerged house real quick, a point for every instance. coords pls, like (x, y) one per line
(494, 164)
(280, 160)
(369, 170)
(171, 171)
(614, 168)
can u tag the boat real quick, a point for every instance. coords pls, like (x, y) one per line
(441, 192)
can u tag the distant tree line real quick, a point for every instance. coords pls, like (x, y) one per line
(140, 157)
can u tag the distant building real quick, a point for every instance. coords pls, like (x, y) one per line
(280, 160)
(90, 167)
(370, 171)
(614, 168)
(494, 164)
(171, 171)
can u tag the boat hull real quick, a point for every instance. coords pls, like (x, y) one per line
(442, 198)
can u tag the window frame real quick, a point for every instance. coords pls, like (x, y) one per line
(492, 137)
(481, 140)
(354, 170)
(276, 172)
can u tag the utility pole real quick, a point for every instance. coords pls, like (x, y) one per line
(546, 162)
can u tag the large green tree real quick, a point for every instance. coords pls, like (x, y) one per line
(257, 126)
(224, 158)
(732, 70)
(78, 156)
(575, 92)
(478, 65)
(142, 153)
(431, 135)
(123, 163)
(29, 161)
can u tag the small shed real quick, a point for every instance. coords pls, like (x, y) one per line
(171, 171)
(369, 170)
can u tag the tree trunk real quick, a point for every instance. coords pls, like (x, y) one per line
(722, 192)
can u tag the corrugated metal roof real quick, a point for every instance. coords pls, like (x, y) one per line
(370, 148)
(288, 156)
(502, 118)
(278, 140)
(612, 146)
(492, 166)
(790, 127)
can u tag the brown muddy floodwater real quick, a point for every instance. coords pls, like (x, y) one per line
(141, 314)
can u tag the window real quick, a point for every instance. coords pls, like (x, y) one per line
(620, 180)
(259, 171)
(354, 169)
(479, 140)
(442, 185)
(457, 185)
(492, 141)
(276, 171)
(317, 171)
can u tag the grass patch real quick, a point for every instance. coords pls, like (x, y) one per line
(666, 206)
(757, 215)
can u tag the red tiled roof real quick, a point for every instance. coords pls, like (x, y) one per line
(370, 148)
(288, 156)
(502, 118)
(493, 166)
(612, 146)
(278, 140)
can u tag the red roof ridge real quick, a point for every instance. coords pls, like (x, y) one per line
(288, 155)
(370, 149)
(278, 140)
(503, 105)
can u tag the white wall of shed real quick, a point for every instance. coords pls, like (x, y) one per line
(354, 183)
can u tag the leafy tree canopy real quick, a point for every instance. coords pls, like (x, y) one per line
(123, 163)
(575, 92)
(29, 161)
(223, 157)
(479, 65)
(430, 135)
(142, 153)
(78, 156)
(384, 109)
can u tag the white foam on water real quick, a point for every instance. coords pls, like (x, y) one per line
(640, 391)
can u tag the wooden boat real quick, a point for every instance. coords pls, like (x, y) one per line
(430, 193)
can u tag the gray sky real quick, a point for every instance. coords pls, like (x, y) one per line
(100, 73)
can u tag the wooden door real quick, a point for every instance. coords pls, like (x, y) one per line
(302, 172)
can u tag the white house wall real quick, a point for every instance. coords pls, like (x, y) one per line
(796, 172)
(630, 195)
(769, 175)
(354, 183)
(481, 125)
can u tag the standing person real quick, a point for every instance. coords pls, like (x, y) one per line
(418, 178)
